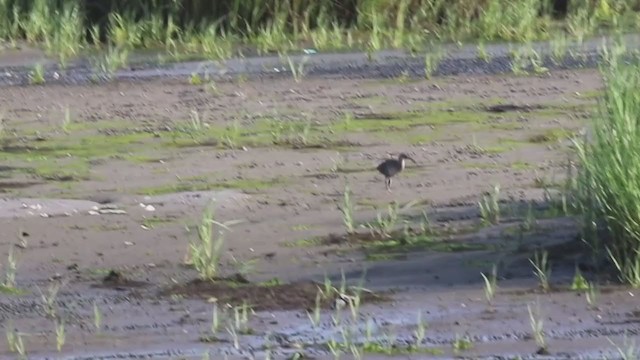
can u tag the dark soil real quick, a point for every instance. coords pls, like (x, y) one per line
(260, 297)
(115, 280)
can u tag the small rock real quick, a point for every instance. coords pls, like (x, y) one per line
(55, 276)
(112, 211)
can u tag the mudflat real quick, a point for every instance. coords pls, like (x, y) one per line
(104, 187)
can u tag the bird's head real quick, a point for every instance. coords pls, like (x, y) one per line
(405, 156)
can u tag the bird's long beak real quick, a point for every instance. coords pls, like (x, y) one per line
(412, 160)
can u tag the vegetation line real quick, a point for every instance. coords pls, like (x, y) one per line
(223, 29)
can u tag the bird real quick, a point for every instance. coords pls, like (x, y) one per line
(391, 167)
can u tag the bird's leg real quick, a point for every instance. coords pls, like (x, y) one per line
(389, 184)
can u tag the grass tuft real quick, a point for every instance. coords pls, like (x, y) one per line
(490, 207)
(607, 190)
(542, 269)
(206, 250)
(347, 210)
(36, 75)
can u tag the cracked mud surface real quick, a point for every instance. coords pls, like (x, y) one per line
(117, 193)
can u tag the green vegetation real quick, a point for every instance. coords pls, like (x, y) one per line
(220, 30)
(155, 221)
(393, 349)
(421, 243)
(8, 285)
(36, 76)
(61, 170)
(315, 241)
(395, 232)
(200, 183)
(15, 342)
(205, 251)
(80, 146)
(542, 269)
(551, 136)
(302, 133)
(537, 327)
(607, 188)
(579, 283)
(490, 284)
(490, 207)
(347, 210)
(57, 157)
(521, 165)
(594, 94)
(461, 344)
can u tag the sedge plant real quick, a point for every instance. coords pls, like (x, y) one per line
(607, 191)
(206, 250)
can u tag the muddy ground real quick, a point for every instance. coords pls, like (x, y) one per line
(103, 187)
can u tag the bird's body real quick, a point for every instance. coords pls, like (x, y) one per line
(391, 167)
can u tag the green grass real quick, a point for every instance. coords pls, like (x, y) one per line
(61, 170)
(522, 165)
(551, 136)
(510, 142)
(304, 134)
(309, 242)
(145, 159)
(391, 249)
(593, 94)
(482, 166)
(607, 185)
(498, 148)
(82, 146)
(422, 242)
(300, 227)
(403, 121)
(376, 348)
(385, 256)
(489, 125)
(393, 126)
(8, 290)
(204, 184)
(52, 169)
(70, 157)
(205, 251)
(156, 221)
(220, 30)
